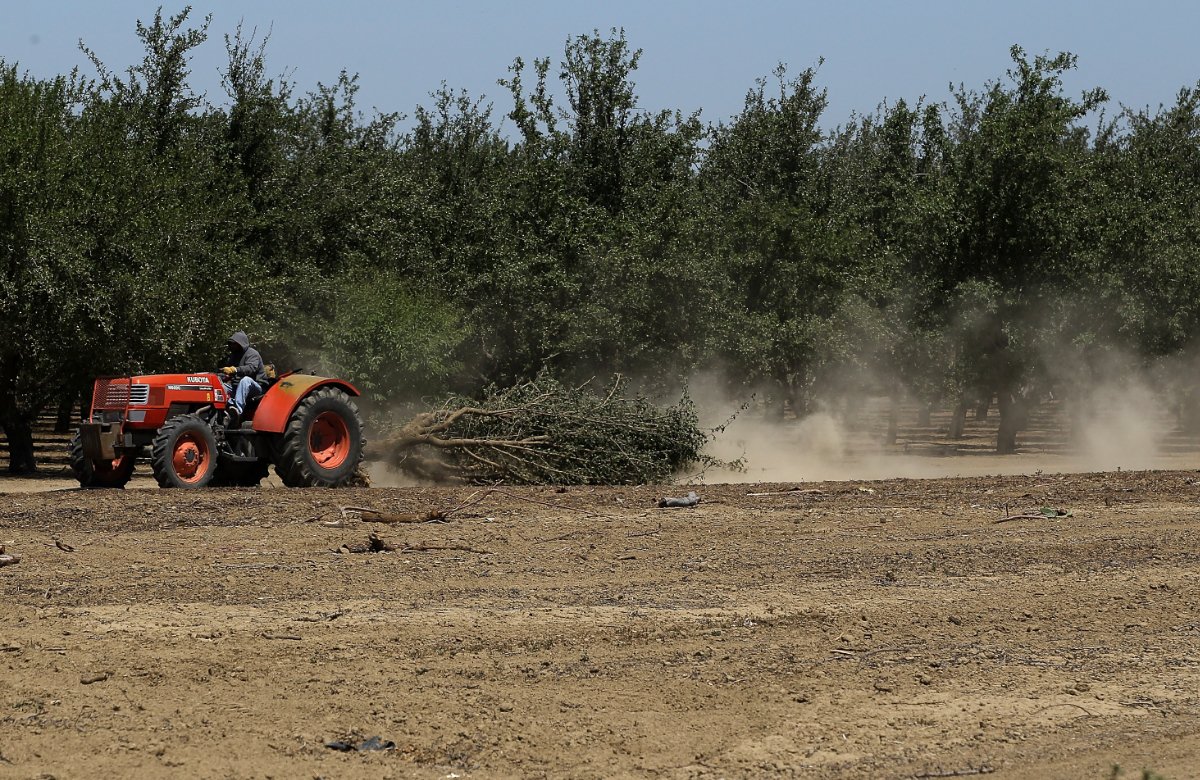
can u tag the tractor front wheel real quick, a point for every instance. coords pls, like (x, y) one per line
(184, 453)
(99, 474)
(322, 445)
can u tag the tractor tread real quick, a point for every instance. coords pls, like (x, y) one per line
(164, 442)
(295, 466)
(85, 472)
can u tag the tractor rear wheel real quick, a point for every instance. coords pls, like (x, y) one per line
(322, 445)
(99, 474)
(184, 453)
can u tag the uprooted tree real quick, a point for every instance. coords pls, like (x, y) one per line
(546, 432)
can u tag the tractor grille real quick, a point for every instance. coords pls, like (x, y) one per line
(118, 393)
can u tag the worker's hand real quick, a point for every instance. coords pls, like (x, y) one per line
(229, 370)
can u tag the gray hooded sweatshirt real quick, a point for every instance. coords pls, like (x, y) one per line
(246, 358)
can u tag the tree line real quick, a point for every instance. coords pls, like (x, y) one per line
(1002, 244)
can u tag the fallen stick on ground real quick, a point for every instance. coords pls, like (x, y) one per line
(792, 492)
(375, 516)
(1030, 516)
(1063, 704)
(322, 617)
(982, 770)
(442, 516)
(568, 535)
(419, 547)
(470, 502)
(546, 503)
(9, 560)
(369, 515)
(375, 544)
(247, 566)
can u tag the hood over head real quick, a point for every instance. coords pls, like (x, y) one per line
(239, 340)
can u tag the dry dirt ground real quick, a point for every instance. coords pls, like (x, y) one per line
(885, 629)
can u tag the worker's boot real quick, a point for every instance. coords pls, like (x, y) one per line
(233, 419)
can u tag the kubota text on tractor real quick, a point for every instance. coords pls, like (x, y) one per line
(307, 426)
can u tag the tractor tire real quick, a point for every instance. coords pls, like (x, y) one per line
(241, 474)
(99, 474)
(322, 445)
(184, 454)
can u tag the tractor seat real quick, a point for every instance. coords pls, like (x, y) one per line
(252, 405)
(271, 377)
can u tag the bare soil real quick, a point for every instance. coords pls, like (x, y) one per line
(887, 629)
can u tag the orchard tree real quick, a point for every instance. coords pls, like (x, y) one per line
(1016, 168)
(790, 255)
(1140, 231)
(649, 290)
(888, 170)
(398, 341)
(160, 216)
(1155, 229)
(258, 134)
(46, 282)
(156, 91)
(603, 273)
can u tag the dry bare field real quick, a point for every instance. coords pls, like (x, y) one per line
(888, 629)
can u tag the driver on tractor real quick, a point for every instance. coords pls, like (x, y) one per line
(245, 375)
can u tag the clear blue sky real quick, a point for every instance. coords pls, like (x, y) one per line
(701, 54)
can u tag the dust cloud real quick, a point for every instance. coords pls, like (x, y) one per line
(1129, 422)
(381, 475)
(1120, 425)
(816, 448)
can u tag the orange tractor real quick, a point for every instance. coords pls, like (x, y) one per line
(307, 426)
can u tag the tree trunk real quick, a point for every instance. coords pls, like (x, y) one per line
(981, 410)
(63, 423)
(893, 429)
(1010, 413)
(852, 410)
(788, 407)
(958, 422)
(1188, 413)
(19, 431)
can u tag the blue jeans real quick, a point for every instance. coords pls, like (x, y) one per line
(247, 390)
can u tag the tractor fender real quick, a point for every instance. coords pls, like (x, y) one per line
(282, 398)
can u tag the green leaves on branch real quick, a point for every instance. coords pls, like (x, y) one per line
(393, 340)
